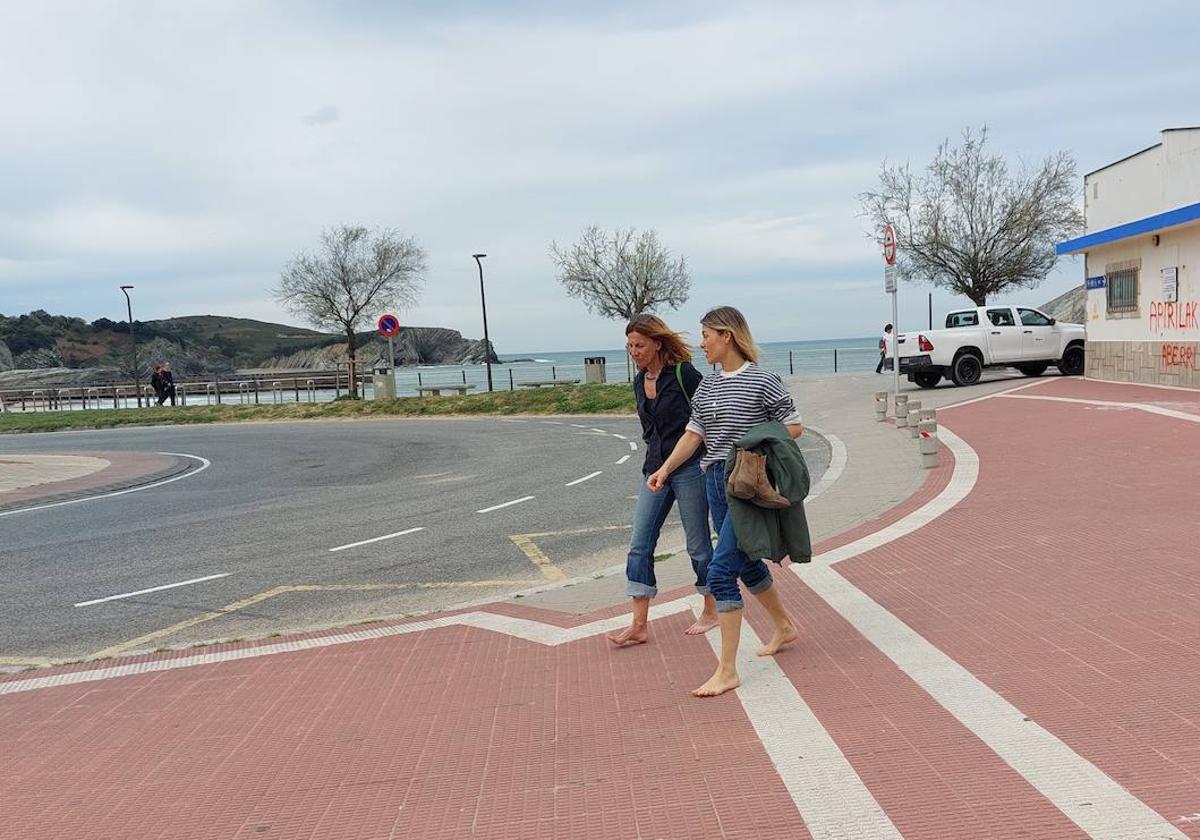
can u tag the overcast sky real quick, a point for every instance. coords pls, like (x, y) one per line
(191, 148)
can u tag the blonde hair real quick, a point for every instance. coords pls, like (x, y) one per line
(726, 319)
(672, 346)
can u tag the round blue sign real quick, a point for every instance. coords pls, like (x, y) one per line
(388, 326)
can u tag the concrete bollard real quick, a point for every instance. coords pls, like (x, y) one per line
(928, 415)
(902, 411)
(914, 413)
(881, 405)
(929, 445)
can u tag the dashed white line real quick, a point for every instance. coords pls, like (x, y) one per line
(552, 422)
(622, 437)
(377, 539)
(152, 589)
(601, 431)
(587, 477)
(632, 445)
(506, 504)
(623, 459)
(578, 426)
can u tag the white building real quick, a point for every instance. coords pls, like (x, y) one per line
(1142, 264)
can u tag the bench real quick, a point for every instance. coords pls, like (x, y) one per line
(436, 390)
(548, 383)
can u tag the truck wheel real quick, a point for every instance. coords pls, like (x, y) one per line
(1033, 370)
(1072, 361)
(927, 380)
(967, 369)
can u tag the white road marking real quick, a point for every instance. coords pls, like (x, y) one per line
(587, 477)
(837, 465)
(511, 420)
(506, 504)
(204, 464)
(623, 459)
(152, 589)
(601, 431)
(431, 475)
(802, 750)
(377, 539)
(1147, 407)
(578, 426)
(552, 423)
(622, 437)
(632, 446)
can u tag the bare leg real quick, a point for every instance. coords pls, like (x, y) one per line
(707, 619)
(785, 631)
(725, 678)
(635, 633)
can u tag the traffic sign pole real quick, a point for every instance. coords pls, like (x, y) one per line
(890, 284)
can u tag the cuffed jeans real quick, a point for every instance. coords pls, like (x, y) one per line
(729, 562)
(685, 486)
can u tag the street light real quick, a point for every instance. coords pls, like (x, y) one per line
(137, 385)
(487, 345)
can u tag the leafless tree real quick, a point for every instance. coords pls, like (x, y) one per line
(967, 225)
(623, 273)
(354, 275)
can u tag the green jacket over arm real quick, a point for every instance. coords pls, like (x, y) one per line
(762, 532)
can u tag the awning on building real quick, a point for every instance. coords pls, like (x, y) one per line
(1140, 227)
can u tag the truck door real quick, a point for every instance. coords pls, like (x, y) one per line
(1038, 338)
(1004, 336)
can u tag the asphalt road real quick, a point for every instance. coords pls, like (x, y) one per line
(278, 497)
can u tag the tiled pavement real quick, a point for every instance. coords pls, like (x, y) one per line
(1064, 585)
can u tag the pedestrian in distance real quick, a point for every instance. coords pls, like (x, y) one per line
(156, 382)
(168, 384)
(727, 405)
(663, 387)
(885, 348)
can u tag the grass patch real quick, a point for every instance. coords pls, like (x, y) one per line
(579, 399)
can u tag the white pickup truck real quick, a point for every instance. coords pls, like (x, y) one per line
(991, 336)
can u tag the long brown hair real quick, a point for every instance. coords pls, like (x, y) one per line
(729, 320)
(673, 348)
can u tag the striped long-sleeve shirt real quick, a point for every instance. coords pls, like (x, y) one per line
(727, 405)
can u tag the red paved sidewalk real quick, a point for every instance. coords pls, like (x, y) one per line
(1067, 581)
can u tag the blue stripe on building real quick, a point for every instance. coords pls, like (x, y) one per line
(1150, 224)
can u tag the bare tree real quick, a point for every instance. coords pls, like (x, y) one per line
(967, 225)
(621, 274)
(355, 274)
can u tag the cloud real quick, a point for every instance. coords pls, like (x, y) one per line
(324, 115)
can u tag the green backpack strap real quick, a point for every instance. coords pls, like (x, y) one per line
(679, 379)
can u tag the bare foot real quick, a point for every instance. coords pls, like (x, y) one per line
(718, 683)
(629, 637)
(778, 640)
(702, 625)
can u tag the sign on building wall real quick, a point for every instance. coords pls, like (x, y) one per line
(1095, 282)
(1170, 284)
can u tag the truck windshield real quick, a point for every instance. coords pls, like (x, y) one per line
(962, 319)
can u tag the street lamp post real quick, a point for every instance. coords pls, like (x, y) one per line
(137, 385)
(487, 345)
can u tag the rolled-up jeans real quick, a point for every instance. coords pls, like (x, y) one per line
(729, 562)
(685, 486)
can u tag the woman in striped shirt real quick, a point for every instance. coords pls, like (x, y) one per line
(725, 407)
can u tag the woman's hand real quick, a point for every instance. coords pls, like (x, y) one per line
(658, 480)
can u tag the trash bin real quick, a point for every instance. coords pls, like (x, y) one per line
(384, 382)
(593, 370)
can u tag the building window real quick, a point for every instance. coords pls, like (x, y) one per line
(1121, 281)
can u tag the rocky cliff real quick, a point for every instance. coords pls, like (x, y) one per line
(6, 357)
(1070, 307)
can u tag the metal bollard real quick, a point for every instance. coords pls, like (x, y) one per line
(902, 411)
(914, 415)
(929, 445)
(881, 405)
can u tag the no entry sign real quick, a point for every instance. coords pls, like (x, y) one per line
(889, 245)
(388, 326)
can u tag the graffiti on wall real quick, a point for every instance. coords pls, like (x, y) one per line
(1179, 356)
(1169, 316)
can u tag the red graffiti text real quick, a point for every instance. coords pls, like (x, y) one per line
(1174, 316)
(1179, 356)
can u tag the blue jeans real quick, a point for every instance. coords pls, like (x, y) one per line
(729, 562)
(686, 486)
